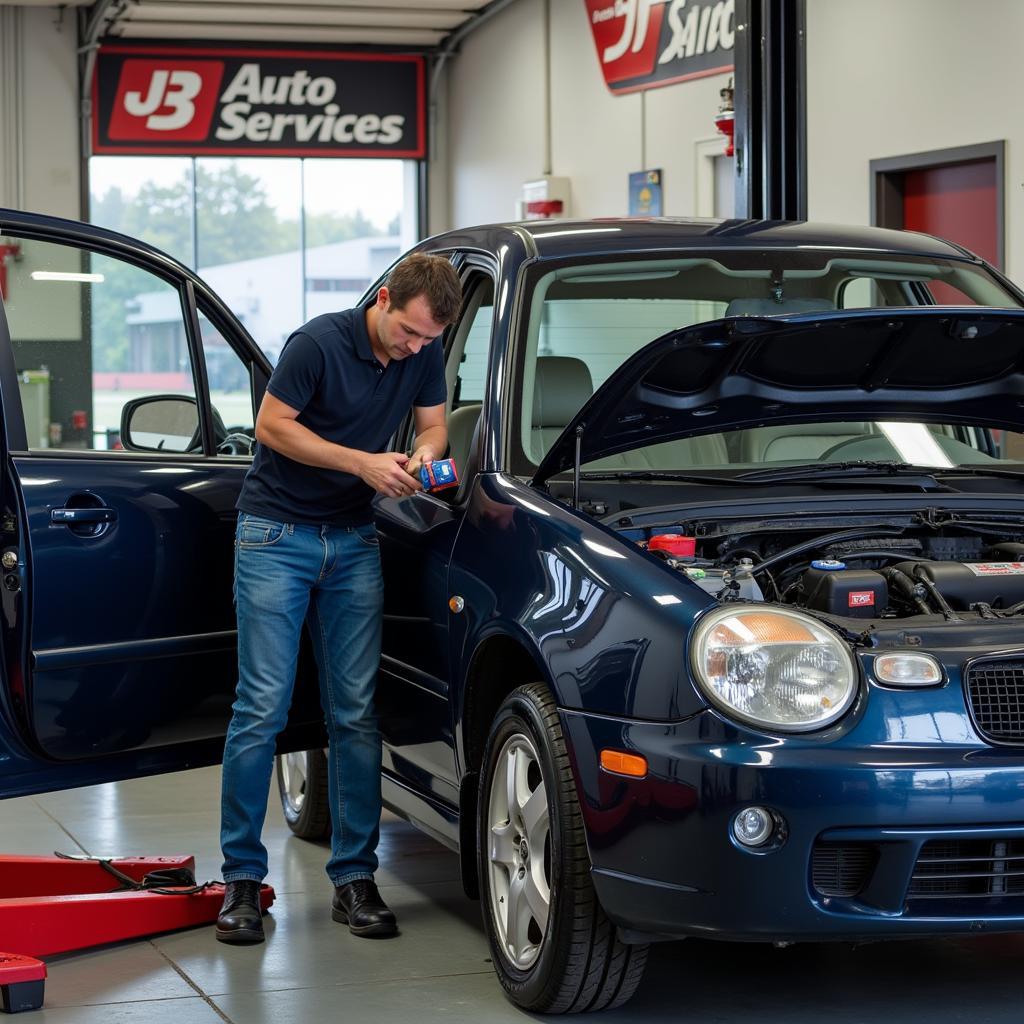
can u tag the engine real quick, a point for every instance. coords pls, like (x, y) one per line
(890, 572)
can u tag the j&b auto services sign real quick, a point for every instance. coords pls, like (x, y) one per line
(257, 102)
(642, 44)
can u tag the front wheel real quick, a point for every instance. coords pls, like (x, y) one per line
(302, 786)
(553, 948)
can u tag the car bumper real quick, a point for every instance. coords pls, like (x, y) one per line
(879, 842)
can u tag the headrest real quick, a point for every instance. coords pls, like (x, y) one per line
(769, 307)
(560, 388)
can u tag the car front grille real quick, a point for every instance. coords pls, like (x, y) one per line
(968, 868)
(842, 869)
(995, 690)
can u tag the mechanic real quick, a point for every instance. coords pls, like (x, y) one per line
(306, 550)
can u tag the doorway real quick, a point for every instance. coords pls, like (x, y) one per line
(956, 194)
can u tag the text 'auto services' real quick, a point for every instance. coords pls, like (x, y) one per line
(320, 118)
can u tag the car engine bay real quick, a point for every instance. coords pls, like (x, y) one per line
(946, 567)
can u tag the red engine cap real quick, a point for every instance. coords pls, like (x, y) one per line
(673, 544)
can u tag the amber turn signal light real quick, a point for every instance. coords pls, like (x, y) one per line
(624, 764)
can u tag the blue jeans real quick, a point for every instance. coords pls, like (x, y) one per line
(328, 576)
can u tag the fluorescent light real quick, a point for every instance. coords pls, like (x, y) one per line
(59, 275)
(916, 444)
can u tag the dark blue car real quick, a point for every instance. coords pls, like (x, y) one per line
(722, 633)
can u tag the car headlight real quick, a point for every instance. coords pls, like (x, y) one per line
(773, 668)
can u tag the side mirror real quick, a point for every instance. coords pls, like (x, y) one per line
(160, 423)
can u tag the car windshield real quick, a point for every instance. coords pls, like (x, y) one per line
(587, 318)
(853, 445)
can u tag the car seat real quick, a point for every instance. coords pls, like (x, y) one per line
(797, 442)
(561, 387)
(461, 424)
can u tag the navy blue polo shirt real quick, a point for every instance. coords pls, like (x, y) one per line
(329, 373)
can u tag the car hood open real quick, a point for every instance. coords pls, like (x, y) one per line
(945, 363)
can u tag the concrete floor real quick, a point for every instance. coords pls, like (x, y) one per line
(311, 970)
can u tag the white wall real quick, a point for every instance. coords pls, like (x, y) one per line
(499, 101)
(496, 113)
(889, 79)
(39, 151)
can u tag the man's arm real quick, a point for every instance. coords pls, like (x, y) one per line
(278, 428)
(431, 436)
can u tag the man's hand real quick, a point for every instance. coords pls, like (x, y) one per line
(386, 474)
(422, 454)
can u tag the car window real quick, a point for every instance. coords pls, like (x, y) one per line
(467, 356)
(230, 381)
(92, 333)
(585, 319)
(466, 366)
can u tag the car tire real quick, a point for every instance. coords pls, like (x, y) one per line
(302, 786)
(566, 957)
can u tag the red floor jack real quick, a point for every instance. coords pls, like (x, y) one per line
(52, 905)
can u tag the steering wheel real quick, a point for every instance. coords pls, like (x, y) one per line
(226, 440)
(236, 442)
(871, 440)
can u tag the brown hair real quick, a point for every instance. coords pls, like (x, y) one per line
(434, 278)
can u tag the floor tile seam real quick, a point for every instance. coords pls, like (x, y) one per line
(62, 827)
(383, 982)
(119, 1002)
(380, 885)
(417, 884)
(183, 974)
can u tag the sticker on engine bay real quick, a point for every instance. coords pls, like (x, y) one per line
(996, 568)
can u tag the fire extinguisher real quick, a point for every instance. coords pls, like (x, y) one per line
(725, 119)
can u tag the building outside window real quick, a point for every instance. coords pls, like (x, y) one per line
(279, 239)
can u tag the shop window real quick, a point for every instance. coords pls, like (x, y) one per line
(280, 240)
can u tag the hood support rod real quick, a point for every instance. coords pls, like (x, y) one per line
(576, 467)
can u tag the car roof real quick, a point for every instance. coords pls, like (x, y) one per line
(558, 239)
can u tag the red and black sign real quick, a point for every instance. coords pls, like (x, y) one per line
(251, 102)
(642, 44)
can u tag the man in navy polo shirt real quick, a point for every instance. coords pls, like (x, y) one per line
(306, 551)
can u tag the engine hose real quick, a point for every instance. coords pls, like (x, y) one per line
(936, 595)
(823, 542)
(901, 555)
(899, 581)
(1008, 613)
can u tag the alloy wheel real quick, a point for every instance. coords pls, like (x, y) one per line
(294, 774)
(519, 851)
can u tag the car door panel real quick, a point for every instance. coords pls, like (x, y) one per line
(417, 535)
(131, 645)
(119, 638)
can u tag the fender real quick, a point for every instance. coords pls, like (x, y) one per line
(606, 623)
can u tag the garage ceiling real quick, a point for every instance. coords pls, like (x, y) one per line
(408, 23)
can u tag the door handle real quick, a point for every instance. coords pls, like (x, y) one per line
(73, 516)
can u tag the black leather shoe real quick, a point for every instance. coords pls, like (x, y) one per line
(240, 920)
(359, 905)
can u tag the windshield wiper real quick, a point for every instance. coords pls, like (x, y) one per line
(1010, 474)
(907, 474)
(655, 474)
(820, 472)
(882, 474)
